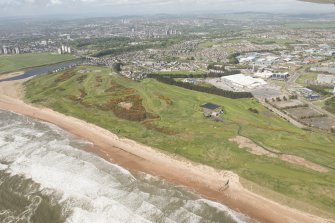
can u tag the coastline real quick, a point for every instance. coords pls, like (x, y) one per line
(201, 179)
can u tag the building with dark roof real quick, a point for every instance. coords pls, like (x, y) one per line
(210, 106)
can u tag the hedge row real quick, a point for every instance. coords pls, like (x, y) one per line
(209, 90)
(190, 75)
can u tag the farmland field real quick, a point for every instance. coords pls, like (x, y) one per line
(170, 118)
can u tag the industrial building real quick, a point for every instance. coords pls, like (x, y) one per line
(330, 69)
(265, 74)
(326, 79)
(243, 81)
(280, 76)
(308, 94)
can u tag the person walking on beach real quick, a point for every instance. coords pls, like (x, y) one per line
(226, 185)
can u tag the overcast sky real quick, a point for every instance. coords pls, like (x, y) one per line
(127, 7)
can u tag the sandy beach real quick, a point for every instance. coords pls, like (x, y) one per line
(204, 180)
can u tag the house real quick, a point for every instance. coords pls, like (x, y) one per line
(212, 110)
(210, 106)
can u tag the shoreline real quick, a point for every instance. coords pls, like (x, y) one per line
(203, 180)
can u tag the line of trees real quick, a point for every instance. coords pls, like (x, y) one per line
(233, 58)
(190, 75)
(330, 105)
(120, 50)
(209, 90)
(124, 47)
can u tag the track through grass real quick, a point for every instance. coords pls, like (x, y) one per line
(175, 123)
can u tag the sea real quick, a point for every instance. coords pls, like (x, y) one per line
(48, 176)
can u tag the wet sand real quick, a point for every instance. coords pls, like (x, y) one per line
(204, 180)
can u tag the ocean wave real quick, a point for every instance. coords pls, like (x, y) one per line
(90, 189)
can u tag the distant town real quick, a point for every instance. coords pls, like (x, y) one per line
(144, 118)
(291, 71)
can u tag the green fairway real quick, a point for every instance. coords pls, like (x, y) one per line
(10, 63)
(170, 118)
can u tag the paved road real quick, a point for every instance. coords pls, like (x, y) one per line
(292, 82)
(282, 114)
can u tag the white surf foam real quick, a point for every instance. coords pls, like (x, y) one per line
(3, 166)
(92, 189)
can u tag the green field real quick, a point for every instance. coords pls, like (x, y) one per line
(330, 105)
(10, 63)
(170, 118)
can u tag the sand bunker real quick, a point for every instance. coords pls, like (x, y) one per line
(250, 146)
(126, 105)
(302, 162)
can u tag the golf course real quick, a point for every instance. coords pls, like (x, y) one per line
(171, 119)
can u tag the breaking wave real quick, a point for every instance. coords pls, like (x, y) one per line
(47, 176)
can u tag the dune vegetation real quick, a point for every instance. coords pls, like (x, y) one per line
(170, 118)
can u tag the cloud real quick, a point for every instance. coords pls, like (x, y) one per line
(15, 3)
(56, 2)
(10, 7)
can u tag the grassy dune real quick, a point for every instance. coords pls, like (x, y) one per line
(10, 63)
(169, 118)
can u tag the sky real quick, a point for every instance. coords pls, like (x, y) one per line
(13, 8)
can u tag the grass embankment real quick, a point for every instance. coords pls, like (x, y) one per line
(170, 118)
(330, 105)
(10, 63)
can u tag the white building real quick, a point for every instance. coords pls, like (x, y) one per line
(5, 50)
(17, 50)
(329, 69)
(243, 81)
(326, 79)
(266, 74)
(63, 49)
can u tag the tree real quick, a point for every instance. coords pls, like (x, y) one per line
(117, 67)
